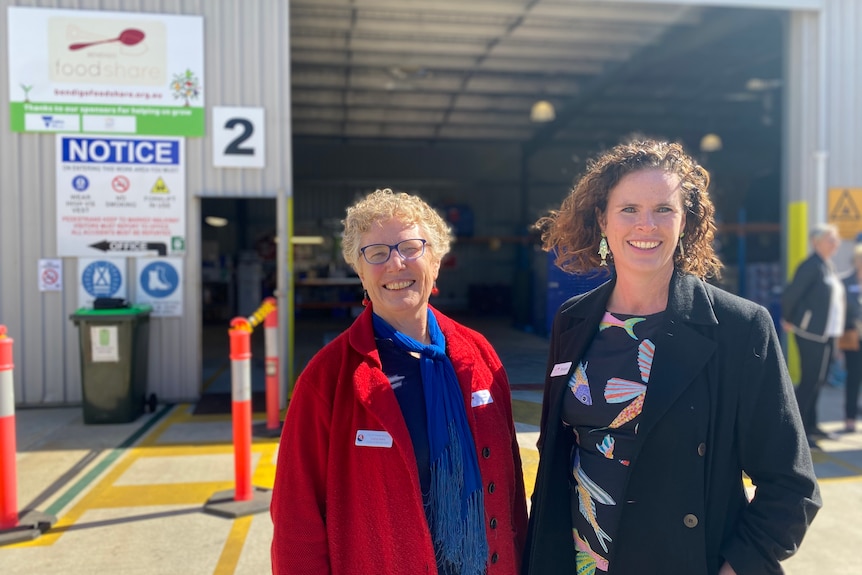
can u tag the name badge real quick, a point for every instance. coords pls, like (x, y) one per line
(561, 369)
(481, 397)
(372, 438)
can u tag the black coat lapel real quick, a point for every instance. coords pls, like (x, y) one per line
(682, 351)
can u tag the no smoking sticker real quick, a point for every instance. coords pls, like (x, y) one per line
(120, 184)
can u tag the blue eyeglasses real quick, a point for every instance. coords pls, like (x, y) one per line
(377, 254)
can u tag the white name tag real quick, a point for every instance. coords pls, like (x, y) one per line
(371, 438)
(481, 397)
(561, 369)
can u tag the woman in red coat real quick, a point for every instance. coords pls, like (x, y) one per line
(398, 453)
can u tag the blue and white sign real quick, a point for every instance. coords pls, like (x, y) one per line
(80, 183)
(160, 285)
(101, 277)
(119, 196)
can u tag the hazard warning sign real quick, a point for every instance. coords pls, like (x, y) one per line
(845, 211)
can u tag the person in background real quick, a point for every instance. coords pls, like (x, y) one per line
(812, 308)
(853, 341)
(661, 391)
(398, 453)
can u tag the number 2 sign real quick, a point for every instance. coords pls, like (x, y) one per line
(238, 138)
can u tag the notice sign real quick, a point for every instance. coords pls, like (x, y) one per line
(105, 72)
(120, 196)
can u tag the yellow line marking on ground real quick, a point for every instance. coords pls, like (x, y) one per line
(825, 457)
(165, 494)
(844, 479)
(264, 473)
(232, 550)
(85, 503)
(178, 414)
(529, 465)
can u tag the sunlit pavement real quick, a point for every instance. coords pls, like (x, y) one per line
(129, 498)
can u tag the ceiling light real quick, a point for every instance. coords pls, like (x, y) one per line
(542, 111)
(216, 221)
(307, 240)
(762, 84)
(710, 143)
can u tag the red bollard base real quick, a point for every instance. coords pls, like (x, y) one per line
(31, 525)
(224, 505)
(260, 429)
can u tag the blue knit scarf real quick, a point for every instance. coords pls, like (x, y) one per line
(457, 511)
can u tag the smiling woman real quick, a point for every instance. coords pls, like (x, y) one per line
(410, 416)
(656, 357)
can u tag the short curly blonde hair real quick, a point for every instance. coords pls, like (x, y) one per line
(383, 205)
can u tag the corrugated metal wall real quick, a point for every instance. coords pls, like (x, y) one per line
(844, 100)
(823, 117)
(247, 63)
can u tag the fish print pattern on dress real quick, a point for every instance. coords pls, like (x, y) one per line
(587, 560)
(588, 494)
(628, 325)
(621, 390)
(580, 385)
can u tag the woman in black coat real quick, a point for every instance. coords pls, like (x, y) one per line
(661, 391)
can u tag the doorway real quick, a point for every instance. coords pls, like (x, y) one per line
(238, 270)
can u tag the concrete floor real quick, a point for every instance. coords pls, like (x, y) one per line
(130, 498)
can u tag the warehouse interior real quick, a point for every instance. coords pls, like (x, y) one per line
(490, 110)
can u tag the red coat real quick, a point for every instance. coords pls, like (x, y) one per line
(339, 508)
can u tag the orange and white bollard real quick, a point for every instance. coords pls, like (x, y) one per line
(30, 524)
(270, 334)
(244, 499)
(240, 364)
(8, 448)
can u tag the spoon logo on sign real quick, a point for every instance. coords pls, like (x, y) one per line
(110, 51)
(128, 37)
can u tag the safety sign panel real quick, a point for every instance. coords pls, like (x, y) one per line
(50, 275)
(160, 285)
(845, 211)
(120, 196)
(102, 72)
(101, 277)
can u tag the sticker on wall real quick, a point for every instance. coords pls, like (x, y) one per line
(101, 277)
(50, 275)
(159, 282)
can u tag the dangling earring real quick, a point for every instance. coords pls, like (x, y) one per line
(681, 249)
(365, 300)
(434, 290)
(603, 250)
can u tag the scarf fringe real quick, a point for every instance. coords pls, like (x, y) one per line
(458, 526)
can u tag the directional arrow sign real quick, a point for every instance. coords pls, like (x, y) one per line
(160, 248)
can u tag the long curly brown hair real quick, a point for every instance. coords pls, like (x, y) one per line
(573, 231)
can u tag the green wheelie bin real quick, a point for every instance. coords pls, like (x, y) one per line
(114, 355)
